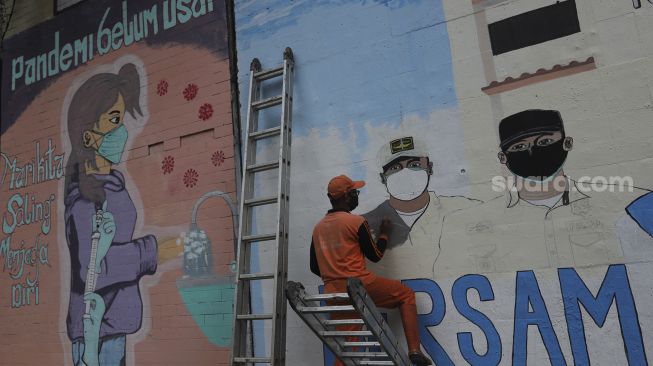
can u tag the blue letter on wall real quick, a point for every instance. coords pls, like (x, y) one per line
(615, 287)
(641, 210)
(465, 342)
(528, 296)
(432, 347)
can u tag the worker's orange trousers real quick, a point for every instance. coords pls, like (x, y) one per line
(385, 293)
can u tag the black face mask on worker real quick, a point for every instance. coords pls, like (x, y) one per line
(352, 199)
(538, 163)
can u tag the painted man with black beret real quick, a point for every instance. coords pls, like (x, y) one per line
(546, 219)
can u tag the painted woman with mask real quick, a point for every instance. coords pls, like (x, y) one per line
(97, 202)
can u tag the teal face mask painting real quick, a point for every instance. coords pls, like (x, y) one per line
(113, 144)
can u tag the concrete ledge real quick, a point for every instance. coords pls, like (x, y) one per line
(540, 75)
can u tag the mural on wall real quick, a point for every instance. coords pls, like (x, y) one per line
(561, 221)
(333, 135)
(564, 220)
(416, 213)
(97, 238)
(641, 210)
(118, 163)
(24, 262)
(541, 260)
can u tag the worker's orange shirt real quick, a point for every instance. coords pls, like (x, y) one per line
(339, 241)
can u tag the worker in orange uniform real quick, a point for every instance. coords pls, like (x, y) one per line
(341, 241)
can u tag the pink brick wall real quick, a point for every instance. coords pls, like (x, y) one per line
(181, 148)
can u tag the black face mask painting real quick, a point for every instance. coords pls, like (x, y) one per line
(539, 163)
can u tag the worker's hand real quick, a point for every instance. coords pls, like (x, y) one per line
(386, 227)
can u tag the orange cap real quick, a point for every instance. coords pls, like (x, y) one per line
(342, 184)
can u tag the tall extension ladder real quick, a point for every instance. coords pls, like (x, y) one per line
(378, 333)
(242, 353)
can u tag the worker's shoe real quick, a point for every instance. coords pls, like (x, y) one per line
(417, 358)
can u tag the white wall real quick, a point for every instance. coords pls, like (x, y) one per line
(371, 71)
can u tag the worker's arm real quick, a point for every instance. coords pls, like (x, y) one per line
(314, 266)
(372, 249)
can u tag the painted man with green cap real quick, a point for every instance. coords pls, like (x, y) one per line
(416, 212)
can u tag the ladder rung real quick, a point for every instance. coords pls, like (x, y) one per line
(345, 333)
(332, 296)
(267, 103)
(256, 276)
(252, 359)
(344, 322)
(262, 167)
(325, 309)
(269, 74)
(259, 237)
(376, 363)
(261, 201)
(258, 135)
(364, 354)
(361, 344)
(254, 316)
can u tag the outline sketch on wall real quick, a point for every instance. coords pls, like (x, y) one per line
(638, 3)
(100, 211)
(565, 222)
(416, 213)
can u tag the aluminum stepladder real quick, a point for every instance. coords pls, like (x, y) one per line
(378, 333)
(242, 352)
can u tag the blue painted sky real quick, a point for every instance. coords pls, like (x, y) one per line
(357, 61)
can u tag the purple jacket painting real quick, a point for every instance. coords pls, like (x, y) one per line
(127, 260)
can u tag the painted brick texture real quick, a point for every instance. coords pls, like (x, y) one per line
(176, 308)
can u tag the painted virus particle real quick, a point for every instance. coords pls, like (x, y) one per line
(168, 164)
(190, 92)
(190, 178)
(217, 158)
(162, 88)
(206, 111)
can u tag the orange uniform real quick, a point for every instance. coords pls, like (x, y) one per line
(340, 243)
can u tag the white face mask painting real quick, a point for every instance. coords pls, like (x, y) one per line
(407, 184)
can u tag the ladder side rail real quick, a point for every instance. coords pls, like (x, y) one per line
(289, 61)
(287, 110)
(295, 294)
(365, 306)
(247, 327)
(278, 309)
(281, 199)
(291, 89)
(242, 296)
